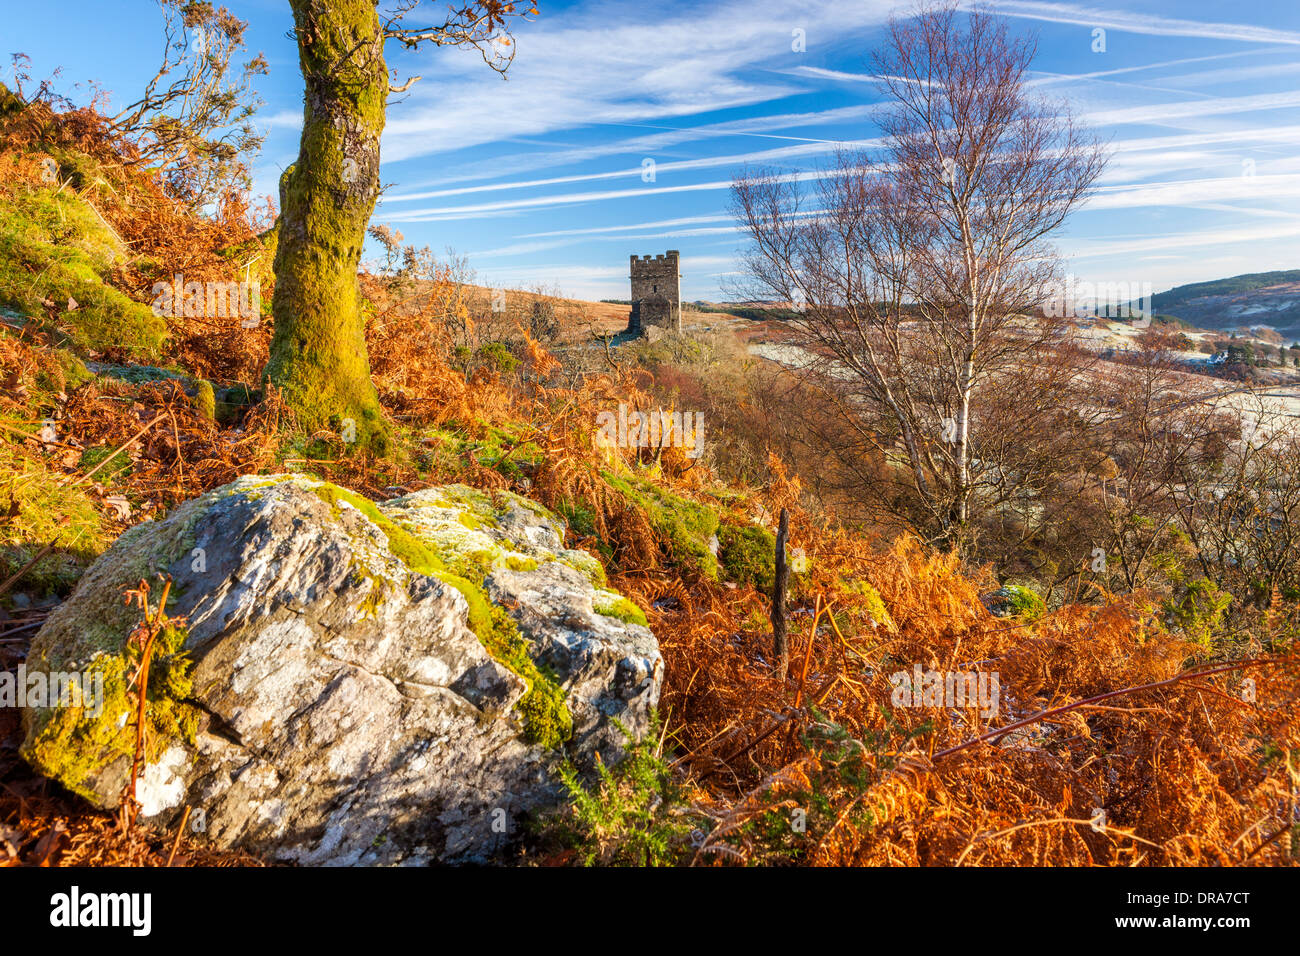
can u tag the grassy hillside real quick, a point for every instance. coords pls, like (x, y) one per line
(1234, 285)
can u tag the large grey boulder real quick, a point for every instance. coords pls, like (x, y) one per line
(352, 683)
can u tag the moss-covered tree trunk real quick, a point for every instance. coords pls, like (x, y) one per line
(318, 354)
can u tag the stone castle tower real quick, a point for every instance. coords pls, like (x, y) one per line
(656, 293)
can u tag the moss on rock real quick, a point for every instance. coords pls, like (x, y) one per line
(204, 399)
(73, 744)
(1018, 601)
(55, 249)
(612, 604)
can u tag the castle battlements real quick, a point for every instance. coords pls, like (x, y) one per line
(656, 292)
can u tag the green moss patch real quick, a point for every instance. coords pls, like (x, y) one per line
(412, 552)
(1018, 601)
(586, 565)
(686, 528)
(204, 399)
(615, 605)
(870, 602)
(545, 714)
(73, 744)
(747, 554)
(53, 248)
(44, 512)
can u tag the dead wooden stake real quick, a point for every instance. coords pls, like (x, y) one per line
(780, 643)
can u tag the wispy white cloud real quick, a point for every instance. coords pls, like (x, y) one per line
(536, 202)
(1131, 167)
(822, 73)
(1241, 74)
(781, 155)
(518, 249)
(525, 248)
(1042, 77)
(678, 233)
(1269, 134)
(651, 145)
(565, 199)
(1190, 192)
(1238, 208)
(662, 223)
(1146, 23)
(1248, 233)
(1167, 113)
(590, 67)
(281, 119)
(595, 281)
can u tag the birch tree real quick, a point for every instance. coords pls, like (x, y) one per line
(915, 266)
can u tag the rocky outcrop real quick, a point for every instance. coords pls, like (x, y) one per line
(347, 682)
(1016, 601)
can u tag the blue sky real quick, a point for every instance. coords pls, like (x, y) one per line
(541, 179)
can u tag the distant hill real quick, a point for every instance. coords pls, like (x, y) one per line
(1259, 298)
(756, 311)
